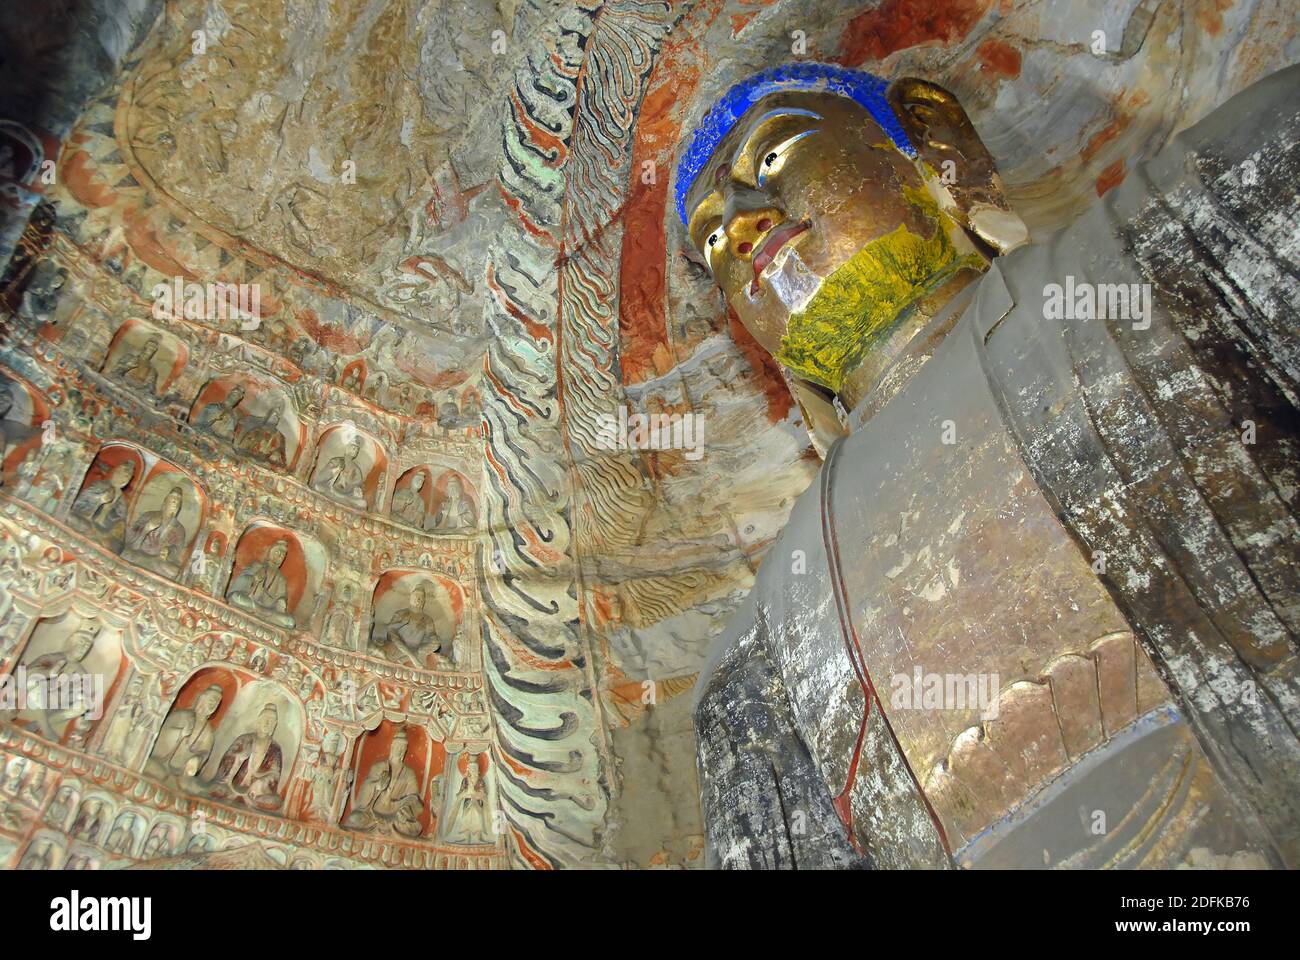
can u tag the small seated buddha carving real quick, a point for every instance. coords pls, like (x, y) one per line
(260, 438)
(59, 683)
(222, 419)
(408, 503)
(261, 588)
(135, 369)
(185, 741)
(252, 765)
(412, 636)
(455, 512)
(341, 477)
(101, 507)
(389, 796)
(157, 538)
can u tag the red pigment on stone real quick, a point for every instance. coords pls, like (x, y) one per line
(899, 24)
(1112, 176)
(1000, 57)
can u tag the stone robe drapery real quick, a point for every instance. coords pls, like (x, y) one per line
(1097, 523)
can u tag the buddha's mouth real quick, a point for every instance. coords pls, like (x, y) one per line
(772, 245)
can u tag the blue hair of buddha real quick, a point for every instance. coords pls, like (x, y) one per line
(863, 88)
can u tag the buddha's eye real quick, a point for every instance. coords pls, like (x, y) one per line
(775, 158)
(712, 245)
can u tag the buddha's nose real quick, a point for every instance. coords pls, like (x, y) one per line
(747, 227)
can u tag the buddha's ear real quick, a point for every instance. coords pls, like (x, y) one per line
(947, 142)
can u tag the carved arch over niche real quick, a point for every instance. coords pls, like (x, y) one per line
(210, 734)
(425, 633)
(277, 574)
(140, 506)
(350, 466)
(255, 417)
(144, 359)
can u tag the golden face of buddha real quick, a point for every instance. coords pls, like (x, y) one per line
(829, 242)
(810, 172)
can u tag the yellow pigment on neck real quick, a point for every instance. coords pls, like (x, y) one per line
(860, 303)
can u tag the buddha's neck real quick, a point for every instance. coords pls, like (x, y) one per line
(859, 382)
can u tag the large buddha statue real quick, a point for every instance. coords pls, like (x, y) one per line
(1049, 569)
(389, 796)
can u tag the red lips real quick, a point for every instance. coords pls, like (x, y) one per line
(777, 239)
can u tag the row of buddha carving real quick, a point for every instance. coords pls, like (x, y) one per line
(84, 828)
(149, 357)
(256, 422)
(238, 739)
(154, 515)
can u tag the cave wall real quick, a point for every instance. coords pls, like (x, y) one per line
(455, 219)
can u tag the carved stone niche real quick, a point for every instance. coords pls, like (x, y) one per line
(397, 776)
(434, 499)
(70, 667)
(23, 412)
(416, 620)
(258, 419)
(230, 736)
(145, 360)
(141, 507)
(350, 467)
(467, 816)
(277, 575)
